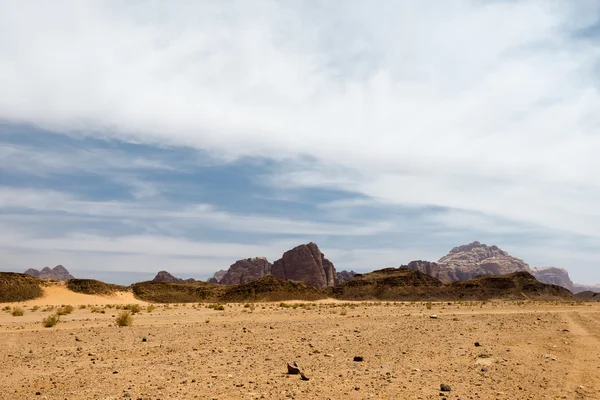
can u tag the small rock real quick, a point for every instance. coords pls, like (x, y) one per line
(445, 388)
(477, 344)
(304, 377)
(144, 340)
(433, 316)
(38, 394)
(484, 369)
(358, 358)
(293, 368)
(115, 372)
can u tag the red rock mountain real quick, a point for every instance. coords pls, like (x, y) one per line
(469, 261)
(58, 273)
(554, 276)
(305, 263)
(246, 270)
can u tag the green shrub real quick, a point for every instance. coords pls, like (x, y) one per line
(124, 319)
(17, 312)
(429, 305)
(150, 308)
(51, 320)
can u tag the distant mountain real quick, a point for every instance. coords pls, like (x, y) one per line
(58, 273)
(246, 270)
(164, 276)
(304, 263)
(578, 288)
(554, 276)
(469, 261)
(217, 277)
(344, 276)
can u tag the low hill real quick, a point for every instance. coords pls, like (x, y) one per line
(92, 286)
(19, 287)
(390, 284)
(588, 296)
(408, 284)
(269, 288)
(176, 292)
(517, 285)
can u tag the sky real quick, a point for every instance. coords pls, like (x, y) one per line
(185, 135)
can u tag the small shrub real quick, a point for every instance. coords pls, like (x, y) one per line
(124, 319)
(150, 308)
(6, 308)
(51, 320)
(64, 310)
(429, 305)
(82, 307)
(247, 305)
(17, 312)
(344, 311)
(35, 308)
(134, 308)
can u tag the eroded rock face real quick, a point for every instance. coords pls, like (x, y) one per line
(554, 276)
(246, 270)
(469, 261)
(58, 273)
(578, 288)
(344, 276)
(305, 263)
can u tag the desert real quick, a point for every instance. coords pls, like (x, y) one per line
(496, 349)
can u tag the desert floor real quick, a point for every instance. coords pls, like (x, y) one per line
(526, 351)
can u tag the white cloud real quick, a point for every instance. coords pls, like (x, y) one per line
(485, 107)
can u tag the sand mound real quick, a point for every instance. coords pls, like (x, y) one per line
(56, 293)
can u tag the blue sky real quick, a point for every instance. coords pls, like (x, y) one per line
(137, 137)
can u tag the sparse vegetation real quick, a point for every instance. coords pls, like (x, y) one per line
(51, 320)
(17, 312)
(92, 286)
(134, 308)
(18, 287)
(64, 310)
(124, 318)
(150, 308)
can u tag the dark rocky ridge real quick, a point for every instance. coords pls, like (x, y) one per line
(58, 273)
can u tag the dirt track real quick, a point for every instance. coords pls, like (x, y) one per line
(530, 351)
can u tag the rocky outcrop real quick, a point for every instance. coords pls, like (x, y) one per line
(305, 263)
(217, 277)
(469, 261)
(164, 276)
(344, 276)
(553, 276)
(58, 273)
(247, 270)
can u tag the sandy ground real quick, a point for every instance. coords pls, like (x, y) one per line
(526, 351)
(57, 294)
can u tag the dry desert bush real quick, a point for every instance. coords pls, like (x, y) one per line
(124, 319)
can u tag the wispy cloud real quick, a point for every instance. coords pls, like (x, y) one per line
(485, 110)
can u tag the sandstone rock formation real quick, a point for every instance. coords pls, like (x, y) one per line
(305, 263)
(246, 270)
(344, 276)
(58, 273)
(469, 261)
(164, 276)
(553, 276)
